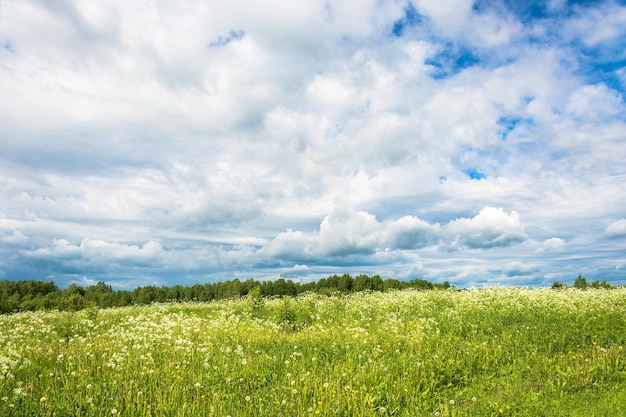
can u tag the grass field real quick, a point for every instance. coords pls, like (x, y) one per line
(491, 352)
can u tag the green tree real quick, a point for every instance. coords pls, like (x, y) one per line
(580, 282)
(557, 285)
(255, 299)
(73, 302)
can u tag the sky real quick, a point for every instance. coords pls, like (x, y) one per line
(158, 142)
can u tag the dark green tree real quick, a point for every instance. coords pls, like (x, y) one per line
(580, 282)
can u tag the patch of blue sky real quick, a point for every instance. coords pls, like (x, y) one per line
(474, 174)
(452, 60)
(526, 11)
(233, 35)
(529, 11)
(411, 18)
(603, 63)
(509, 123)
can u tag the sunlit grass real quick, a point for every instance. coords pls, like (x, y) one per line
(514, 352)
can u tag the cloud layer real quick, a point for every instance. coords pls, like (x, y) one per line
(478, 142)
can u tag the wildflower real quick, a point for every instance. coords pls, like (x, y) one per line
(247, 398)
(244, 361)
(114, 411)
(295, 391)
(197, 385)
(451, 402)
(43, 400)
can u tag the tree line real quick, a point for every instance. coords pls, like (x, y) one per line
(31, 295)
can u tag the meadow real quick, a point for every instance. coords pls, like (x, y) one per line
(488, 352)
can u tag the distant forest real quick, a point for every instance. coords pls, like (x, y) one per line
(31, 295)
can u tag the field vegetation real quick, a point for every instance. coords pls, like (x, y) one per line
(489, 352)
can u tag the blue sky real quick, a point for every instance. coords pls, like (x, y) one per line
(160, 142)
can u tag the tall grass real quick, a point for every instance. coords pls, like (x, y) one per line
(492, 352)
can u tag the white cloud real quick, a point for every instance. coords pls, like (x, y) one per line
(450, 17)
(85, 282)
(347, 232)
(250, 138)
(616, 229)
(554, 244)
(491, 227)
(518, 268)
(99, 251)
(59, 248)
(595, 103)
(15, 238)
(597, 25)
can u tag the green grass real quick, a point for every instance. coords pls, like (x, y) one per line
(515, 352)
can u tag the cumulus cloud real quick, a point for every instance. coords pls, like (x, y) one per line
(349, 232)
(519, 268)
(491, 227)
(207, 141)
(99, 251)
(554, 244)
(410, 232)
(616, 229)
